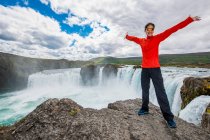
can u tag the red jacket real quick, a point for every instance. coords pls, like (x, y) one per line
(149, 45)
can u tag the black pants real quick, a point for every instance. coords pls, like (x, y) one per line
(157, 79)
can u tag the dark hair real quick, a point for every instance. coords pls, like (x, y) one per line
(148, 25)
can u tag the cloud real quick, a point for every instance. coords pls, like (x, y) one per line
(131, 16)
(74, 20)
(26, 32)
(43, 35)
(26, 2)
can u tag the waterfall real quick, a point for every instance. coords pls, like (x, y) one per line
(66, 83)
(193, 112)
(55, 78)
(177, 101)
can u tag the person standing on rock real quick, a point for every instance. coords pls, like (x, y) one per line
(151, 67)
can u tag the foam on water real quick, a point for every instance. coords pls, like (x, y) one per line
(193, 112)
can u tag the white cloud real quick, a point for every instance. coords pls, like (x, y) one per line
(45, 1)
(130, 16)
(28, 33)
(119, 16)
(73, 20)
(26, 2)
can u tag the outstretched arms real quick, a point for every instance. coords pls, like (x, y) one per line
(162, 36)
(132, 38)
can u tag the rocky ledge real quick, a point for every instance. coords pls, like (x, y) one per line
(64, 119)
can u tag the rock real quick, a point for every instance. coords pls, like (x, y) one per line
(205, 123)
(90, 75)
(194, 87)
(53, 120)
(109, 71)
(136, 67)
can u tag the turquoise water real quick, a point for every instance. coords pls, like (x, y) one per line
(10, 109)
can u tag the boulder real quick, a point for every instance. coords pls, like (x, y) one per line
(194, 87)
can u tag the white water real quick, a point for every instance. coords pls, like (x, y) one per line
(66, 83)
(193, 112)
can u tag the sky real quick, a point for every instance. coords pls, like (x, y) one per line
(85, 29)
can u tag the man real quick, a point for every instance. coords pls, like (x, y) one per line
(151, 67)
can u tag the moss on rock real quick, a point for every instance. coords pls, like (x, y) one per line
(194, 87)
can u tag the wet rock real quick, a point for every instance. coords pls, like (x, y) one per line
(205, 123)
(109, 72)
(136, 67)
(90, 75)
(194, 87)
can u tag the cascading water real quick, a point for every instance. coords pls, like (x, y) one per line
(192, 113)
(66, 83)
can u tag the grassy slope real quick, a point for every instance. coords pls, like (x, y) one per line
(191, 59)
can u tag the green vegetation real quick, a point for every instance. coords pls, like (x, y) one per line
(183, 60)
(74, 111)
(114, 60)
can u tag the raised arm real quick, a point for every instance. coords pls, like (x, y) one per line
(132, 38)
(162, 36)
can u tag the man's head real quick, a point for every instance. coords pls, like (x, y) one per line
(149, 29)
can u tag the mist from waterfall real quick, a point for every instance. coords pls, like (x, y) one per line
(66, 83)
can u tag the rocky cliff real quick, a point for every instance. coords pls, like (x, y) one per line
(66, 120)
(90, 75)
(194, 87)
(14, 70)
(205, 123)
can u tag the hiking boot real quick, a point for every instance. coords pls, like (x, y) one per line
(143, 112)
(171, 123)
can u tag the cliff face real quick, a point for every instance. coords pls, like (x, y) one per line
(109, 71)
(14, 70)
(64, 119)
(90, 75)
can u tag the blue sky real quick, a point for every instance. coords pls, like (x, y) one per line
(81, 30)
(47, 11)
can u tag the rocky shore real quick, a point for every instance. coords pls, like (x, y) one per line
(64, 119)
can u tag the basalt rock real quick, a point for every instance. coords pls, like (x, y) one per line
(109, 71)
(90, 75)
(136, 66)
(205, 123)
(66, 120)
(194, 87)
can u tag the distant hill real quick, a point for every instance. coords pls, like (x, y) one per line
(201, 59)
